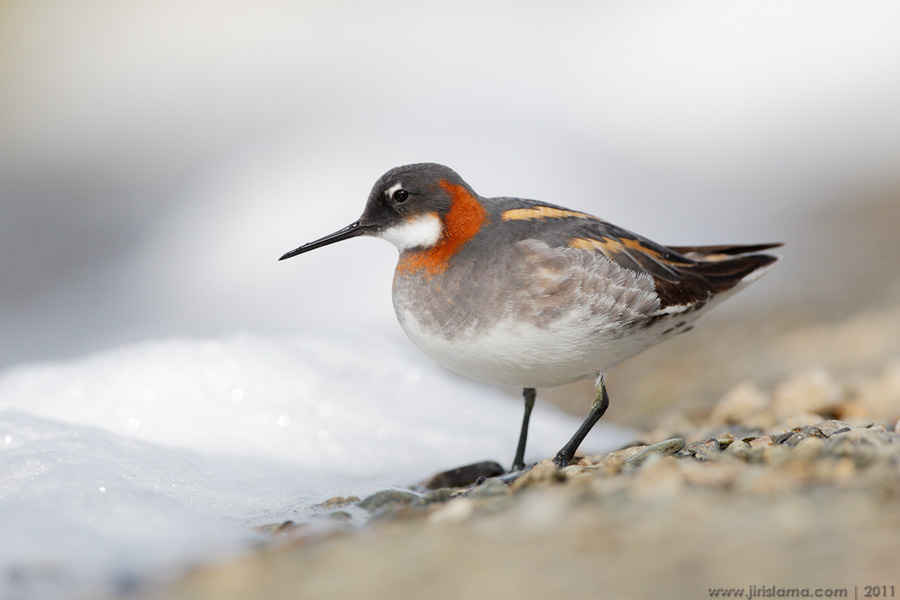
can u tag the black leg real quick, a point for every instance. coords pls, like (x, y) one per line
(598, 407)
(519, 461)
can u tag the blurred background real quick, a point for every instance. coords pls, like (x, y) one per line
(156, 158)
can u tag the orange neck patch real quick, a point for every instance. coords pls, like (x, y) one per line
(465, 218)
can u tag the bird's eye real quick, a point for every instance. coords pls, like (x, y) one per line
(400, 196)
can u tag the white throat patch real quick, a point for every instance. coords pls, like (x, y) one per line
(424, 231)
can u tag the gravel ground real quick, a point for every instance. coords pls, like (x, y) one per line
(768, 466)
(794, 487)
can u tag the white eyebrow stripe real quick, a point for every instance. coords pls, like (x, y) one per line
(390, 191)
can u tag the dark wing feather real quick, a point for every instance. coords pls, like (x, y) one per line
(683, 275)
(703, 280)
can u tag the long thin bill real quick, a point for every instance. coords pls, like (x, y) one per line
(350, 231)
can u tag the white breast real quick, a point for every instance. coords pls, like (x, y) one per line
(564, 315)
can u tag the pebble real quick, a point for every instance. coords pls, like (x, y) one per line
(738, 448)
(831, 427)
(767, 440)
(798, 449)
(488, 488)
(665, 448)
(337, 502)
(388, 499)
(790, 480)
(465, 475)
(796, 435)
(543, 473)
(705, 450)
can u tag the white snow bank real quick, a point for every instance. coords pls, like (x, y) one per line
(130, 466)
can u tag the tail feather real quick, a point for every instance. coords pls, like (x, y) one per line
(726, 274)
(722, 252)
(718, 274)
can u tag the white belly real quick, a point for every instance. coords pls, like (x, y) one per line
(573, 347)
(539, 317)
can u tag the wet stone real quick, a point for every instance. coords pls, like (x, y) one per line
(832, 427)
(796, 435)
(464, 476)
(738, 448)
(544, 473)
(487, 489)
(725, 439)
(440, 495)
(766, 440)
(705, 450)
(732, 432)
(388, 499)
(665, 448)
(337, 502)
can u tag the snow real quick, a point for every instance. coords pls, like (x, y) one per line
(127, 467)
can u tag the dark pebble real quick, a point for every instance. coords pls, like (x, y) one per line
(464, 476)
(796, 435)
(705, 450)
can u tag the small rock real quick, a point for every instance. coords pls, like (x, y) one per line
(337, 502)
(796, 435)
(465, 475)
(705, 450)
(439, 495)
(665, 448)
(545, 472)
(738, 448)
(488, 488)
(725, 439)
(391, 499)
(831, 427)
(767, 440)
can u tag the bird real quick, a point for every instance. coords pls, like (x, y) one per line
(526, 293)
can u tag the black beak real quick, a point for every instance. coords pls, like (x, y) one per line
(350, 231)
